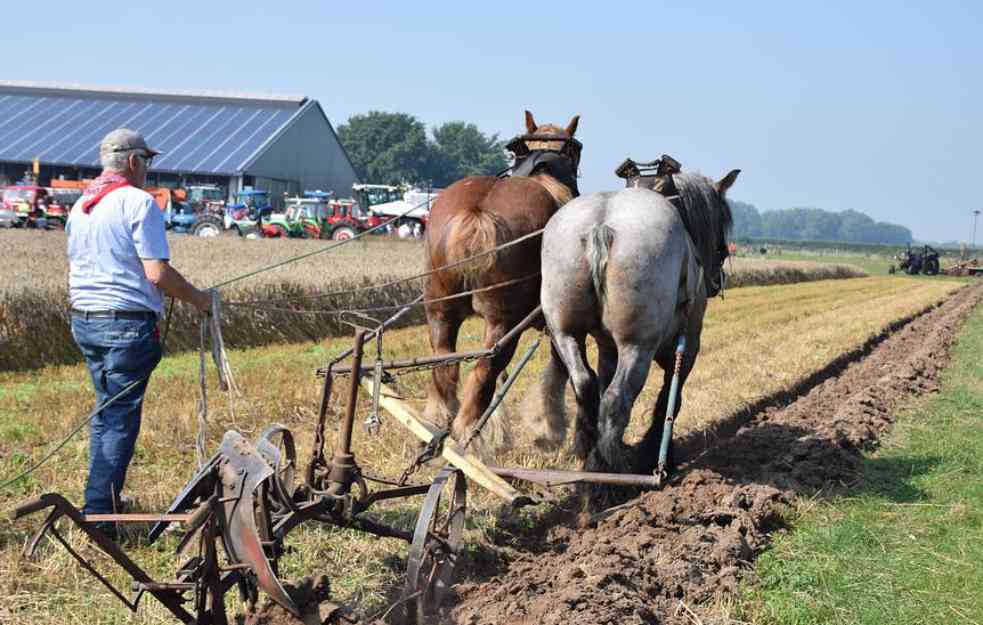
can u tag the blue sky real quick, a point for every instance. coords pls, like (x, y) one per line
(873, 106)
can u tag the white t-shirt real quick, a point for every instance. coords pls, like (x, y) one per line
(105, 248)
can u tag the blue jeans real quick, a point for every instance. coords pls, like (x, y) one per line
(118, 353)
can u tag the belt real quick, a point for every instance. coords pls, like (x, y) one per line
(115, 314)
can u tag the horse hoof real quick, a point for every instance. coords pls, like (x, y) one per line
(583, 447)
(546, 444)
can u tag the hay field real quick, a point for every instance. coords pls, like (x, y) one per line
(757, 341)
(34, 323)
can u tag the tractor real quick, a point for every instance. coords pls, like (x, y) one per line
(60, 203)
(914, 262)
(25, 205)
(391, 202)
(289, 224)
(207, 198)
(245, 217)
(325, 218)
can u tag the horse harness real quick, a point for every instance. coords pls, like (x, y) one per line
(561, 163)
(637, 177)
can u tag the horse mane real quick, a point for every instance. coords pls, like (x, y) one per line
(708, 217)
(560, 192)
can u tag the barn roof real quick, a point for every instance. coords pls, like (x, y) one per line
(201, 132)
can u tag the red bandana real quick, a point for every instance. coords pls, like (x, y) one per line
(106, 183)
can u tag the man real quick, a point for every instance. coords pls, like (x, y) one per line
(118, 269)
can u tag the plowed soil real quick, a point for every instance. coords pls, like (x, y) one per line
(663, 556)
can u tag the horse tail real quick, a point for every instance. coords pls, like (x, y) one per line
(599, 240)
(471, 232)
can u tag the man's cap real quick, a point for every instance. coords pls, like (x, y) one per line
(123, 140)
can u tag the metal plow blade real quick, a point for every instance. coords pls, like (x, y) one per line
(243, 475)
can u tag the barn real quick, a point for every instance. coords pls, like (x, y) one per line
(283, 144)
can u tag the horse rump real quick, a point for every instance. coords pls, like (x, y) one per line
(472, 232)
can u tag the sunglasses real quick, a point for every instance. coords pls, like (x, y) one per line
(148, 159)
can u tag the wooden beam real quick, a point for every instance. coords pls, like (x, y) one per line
(471, 465)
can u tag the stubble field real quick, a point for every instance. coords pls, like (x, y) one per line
(757, 342)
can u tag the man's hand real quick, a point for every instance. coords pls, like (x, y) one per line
(171, 282)
(203, 301)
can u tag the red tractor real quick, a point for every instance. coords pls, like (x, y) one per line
(366, 219)
(25, 206)
(60, 203)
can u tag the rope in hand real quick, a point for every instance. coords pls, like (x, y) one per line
(211, 326)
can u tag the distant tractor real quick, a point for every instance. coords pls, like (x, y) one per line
(207, 199)
(326, 218)
(914, 262)
(245, 216)
(25, 205)
(60, 203)
(390, 202)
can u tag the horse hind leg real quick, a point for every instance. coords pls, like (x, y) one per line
(573, 352)
(442, 403)
(615, 408)
(478, 393)
(543, 409)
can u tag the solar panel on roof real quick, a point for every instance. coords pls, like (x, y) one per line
(209, 136)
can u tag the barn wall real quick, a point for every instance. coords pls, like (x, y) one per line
(307, 152)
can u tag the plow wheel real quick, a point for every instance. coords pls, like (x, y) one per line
(436, 547)
(276, 443)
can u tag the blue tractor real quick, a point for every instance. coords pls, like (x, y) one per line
(181, 217)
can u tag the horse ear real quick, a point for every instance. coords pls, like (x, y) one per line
(530, 124)
(727, 181)
(572, 126)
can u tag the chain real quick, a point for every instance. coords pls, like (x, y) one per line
(433, 449)
(387, 481)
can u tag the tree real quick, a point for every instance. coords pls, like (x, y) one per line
(462, 150)
(392, 148)
(747, 220)
(386, 148)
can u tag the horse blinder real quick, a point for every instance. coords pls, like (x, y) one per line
(571, 147)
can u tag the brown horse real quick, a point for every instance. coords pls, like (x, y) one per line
(475, 215)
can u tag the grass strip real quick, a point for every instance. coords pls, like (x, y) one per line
(907, 547)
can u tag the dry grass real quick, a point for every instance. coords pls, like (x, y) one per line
(34, 329)
(757, 341)
(34, 324)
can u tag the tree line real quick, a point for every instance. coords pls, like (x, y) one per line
(394, 148)
(814, 224)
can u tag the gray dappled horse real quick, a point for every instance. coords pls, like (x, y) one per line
(622, 268)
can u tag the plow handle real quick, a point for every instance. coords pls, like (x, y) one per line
(30, 507)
